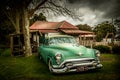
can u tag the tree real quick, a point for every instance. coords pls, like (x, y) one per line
(84, 27)
(38, 17)
(20, 11)
(12, 12)
(5, 29)
(117, 22)
(6, 26)
(102, 29)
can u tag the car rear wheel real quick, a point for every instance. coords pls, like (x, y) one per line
(39, 55)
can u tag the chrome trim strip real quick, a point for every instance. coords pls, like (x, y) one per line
(65, 69)
(68, 68)
(73, 60)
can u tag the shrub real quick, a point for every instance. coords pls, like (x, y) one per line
(5, 52)
(103, 49)
(116, 49)
(1, 50)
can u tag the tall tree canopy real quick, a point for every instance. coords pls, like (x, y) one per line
(38, 17)
(117, 22)
(19, 12)
(102, 29)
(84, 27)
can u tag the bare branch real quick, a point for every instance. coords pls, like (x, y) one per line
(62, 10)
(28, 2)
(10, 17)
(33, 10)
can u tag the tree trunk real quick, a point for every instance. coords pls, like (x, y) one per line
(17, 22)
(26, 33)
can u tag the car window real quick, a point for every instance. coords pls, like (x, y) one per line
(59, 40)
(46, 42)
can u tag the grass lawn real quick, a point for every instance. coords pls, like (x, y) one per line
(31, 68)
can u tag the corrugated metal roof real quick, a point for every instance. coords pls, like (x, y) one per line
(66, 25)
(76, 32)
(71, 31)
(48, 31)
(38, 25)
(54, 27)
(45, 31)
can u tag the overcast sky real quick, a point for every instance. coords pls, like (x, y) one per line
(91, 12)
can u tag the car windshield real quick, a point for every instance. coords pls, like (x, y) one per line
(59, 40)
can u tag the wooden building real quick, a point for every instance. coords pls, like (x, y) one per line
(63, 27)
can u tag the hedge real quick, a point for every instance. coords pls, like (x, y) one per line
(116, 49)
(103, 49)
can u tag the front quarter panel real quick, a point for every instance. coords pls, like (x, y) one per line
(47, 53)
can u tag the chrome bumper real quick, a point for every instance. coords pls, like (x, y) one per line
(71, 65)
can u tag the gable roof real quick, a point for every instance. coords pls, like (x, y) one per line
(53, 27)
(38, 25)
(66, 25)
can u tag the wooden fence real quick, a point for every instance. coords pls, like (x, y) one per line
(92, 43)
(107, 43)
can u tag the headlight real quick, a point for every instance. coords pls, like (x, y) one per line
(58, 57)
(97, 53)
(80, 53)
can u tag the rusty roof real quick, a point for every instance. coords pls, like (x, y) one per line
(39, 25)
(66, 25)
(76, 32)
(54, 27)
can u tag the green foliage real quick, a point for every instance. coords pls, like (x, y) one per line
(117, 22)
(103, 49)
(5, 52)
(37, 17)
(1, 50)
(5, 28)
(116, 49)
(102, 29)
(106, 49)
(84, 27)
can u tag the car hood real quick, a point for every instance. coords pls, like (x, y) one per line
(72, 50)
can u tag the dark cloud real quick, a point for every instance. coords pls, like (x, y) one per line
(110, 7)
(114, 10)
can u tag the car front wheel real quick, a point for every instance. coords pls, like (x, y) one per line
(50, 66)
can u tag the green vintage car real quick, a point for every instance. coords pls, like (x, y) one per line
(63, 54)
